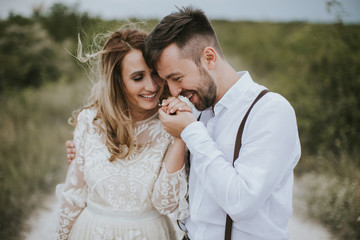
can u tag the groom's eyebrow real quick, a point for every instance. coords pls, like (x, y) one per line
(171, 75)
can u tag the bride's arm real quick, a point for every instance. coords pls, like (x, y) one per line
(170, 190)
(175, 156)
(73, 192)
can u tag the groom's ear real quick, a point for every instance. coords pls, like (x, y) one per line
(209, 57)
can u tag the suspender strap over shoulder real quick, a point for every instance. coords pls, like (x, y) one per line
(238, 142)
(229, 222)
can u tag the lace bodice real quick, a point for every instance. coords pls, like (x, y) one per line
(137, 183)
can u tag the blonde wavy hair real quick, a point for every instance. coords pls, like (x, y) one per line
(108, 94)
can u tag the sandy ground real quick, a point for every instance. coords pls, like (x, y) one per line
(43, 222)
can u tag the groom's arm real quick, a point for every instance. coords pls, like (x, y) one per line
(70, 150)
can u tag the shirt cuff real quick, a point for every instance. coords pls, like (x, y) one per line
(194, 134)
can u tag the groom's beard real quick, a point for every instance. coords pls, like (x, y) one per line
(206, 92)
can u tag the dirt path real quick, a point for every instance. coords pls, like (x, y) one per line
(302, 227)
(43, 222)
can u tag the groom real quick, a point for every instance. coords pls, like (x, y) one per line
(256, 192)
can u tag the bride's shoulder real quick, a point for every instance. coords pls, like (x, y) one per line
(86, 115)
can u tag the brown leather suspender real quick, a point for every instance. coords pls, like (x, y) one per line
(229, 221)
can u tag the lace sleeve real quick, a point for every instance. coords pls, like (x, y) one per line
(170, 192)
(73, 192)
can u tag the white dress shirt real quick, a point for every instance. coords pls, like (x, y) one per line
(257, 192)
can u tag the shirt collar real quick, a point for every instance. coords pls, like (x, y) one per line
(236, 91)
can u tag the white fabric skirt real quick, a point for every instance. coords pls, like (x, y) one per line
(94, 225)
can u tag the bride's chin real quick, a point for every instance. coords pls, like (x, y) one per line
(151, 106)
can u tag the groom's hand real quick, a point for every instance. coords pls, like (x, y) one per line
(175, 115)
(175, 124)
(70, 151)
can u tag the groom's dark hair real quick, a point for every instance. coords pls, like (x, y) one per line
(188, 28)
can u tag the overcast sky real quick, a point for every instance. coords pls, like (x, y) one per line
(257, 10)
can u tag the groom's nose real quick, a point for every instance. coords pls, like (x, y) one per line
(175, 89)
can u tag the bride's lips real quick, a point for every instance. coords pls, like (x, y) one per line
(149, 97)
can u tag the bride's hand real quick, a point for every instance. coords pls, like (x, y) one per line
(173, 105)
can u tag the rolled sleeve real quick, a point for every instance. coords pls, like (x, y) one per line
(194, 134)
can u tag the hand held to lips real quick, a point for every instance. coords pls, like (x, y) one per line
(175, 123)
(173, 105)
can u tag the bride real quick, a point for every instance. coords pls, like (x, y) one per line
(128, 173)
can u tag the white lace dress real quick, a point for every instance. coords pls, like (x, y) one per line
(127, 199)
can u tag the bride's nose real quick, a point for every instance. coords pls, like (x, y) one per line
(150, 84)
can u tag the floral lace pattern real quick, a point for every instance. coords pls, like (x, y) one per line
(102, 234)
(138, 183)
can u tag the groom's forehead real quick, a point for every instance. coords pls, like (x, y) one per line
(171, 52)
(169, 59)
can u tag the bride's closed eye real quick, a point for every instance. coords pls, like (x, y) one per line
(138, 78)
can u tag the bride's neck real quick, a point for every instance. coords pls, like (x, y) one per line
(140, 116)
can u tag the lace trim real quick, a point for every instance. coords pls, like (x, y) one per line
(170, 194)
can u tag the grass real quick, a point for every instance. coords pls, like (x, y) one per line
(33, 130)
(332, 194)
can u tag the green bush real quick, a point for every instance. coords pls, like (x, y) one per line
(32, 49)
(27, 57)
(64, 22)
